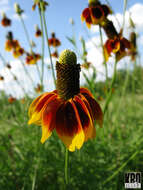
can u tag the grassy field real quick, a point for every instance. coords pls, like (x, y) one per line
(26, 164)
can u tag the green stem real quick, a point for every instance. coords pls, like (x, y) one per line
(13, 75)
(106, 69)
(43, 47)
(28, 40)
(109, 95)
(124, 11)
(46, 33)
(27, 73)
(66, 166)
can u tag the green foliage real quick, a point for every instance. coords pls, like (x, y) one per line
(25, 163)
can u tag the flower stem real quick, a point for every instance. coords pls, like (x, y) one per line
(109, 95)
(13, 75)
(43, 47)
(104, 62)
(66, 166)
(28, 40)
(46, 33)
(26, 72)
(124, 11)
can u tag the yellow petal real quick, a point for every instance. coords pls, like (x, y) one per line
(82, 18)
(46, 133)
(36, 118)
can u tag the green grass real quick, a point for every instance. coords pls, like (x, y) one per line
(26, 164)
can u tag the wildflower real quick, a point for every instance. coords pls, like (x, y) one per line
(86, 65)
(18, 9)
(5, 20)
(117, 46)
(55, 54)
(11, 99)
(1, 78)
(10, 43)
(44, 4)
(95, 13)
(53, 41)
(8, 66)
(38, 32)
(116, 43)
(39, 88)
(70, 110)
(17, 52)
(32, 58)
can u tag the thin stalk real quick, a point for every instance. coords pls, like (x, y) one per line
(66, 166)
(46, 33)
(101, 39)
(124, 12)
(109, 95)
(13, 75)
(28, 40)
(27, 73)
(43, 47)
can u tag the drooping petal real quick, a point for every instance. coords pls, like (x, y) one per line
(37, 106)
(68, 126)
(95, 108)
(85, 118)
(87, 17)
(48, 117)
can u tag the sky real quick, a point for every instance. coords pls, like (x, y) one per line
(58, 14)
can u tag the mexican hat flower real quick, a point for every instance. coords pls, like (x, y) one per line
(11, 99)
(70, 110)
(32, 58)
(38, 32)
(11, 43)
(5, 22)
(117, 46)
(1, 78)
(53, 41)
(17, 52)
(95, 13)
(116, 43)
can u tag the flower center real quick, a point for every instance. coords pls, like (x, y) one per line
(68, 74)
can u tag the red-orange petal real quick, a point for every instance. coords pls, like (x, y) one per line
(48, 117)
(68, 126)
(37, 106)
(85, 117)
(95, 108)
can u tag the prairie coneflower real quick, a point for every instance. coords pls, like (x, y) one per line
(5, 21)
(37, 3)
(55, 54)
(53, 41)
(11, 43)
(70, 110)
(17, 52)
(39, 88)
(95, 13)
(11, 99)
(1, 78)
(32, 58)
(8, 66)
(38, 32)
(116, 43)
